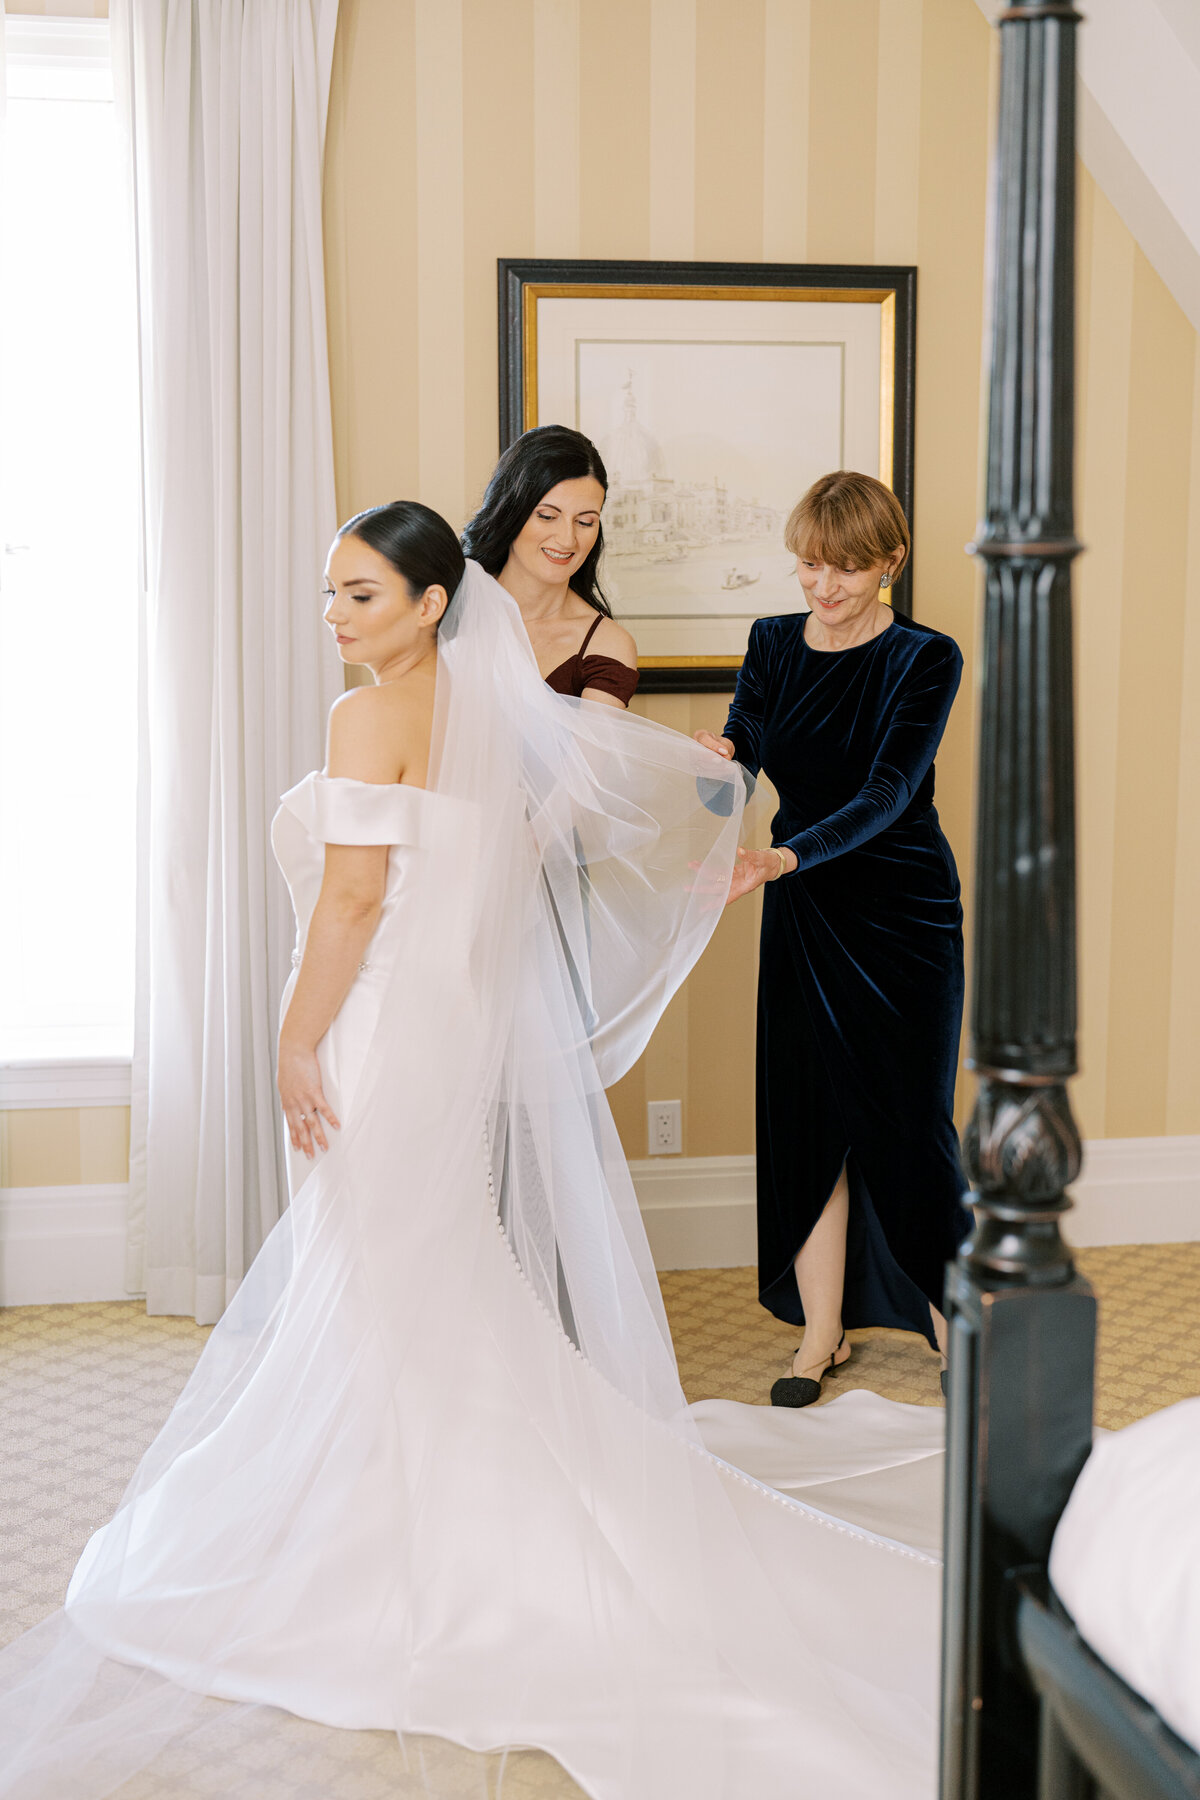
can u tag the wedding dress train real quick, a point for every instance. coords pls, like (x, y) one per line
(434, 1471)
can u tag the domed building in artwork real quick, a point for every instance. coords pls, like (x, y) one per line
(649, 512)
(630, 454)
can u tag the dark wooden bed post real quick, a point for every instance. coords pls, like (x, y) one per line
(1022, 1323)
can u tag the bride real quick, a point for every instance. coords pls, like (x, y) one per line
(396, 1493)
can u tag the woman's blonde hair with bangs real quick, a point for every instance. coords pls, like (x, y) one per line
(850, 520)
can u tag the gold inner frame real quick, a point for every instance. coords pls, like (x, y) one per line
(884, 298)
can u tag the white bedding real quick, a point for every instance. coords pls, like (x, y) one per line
(1126, 1559)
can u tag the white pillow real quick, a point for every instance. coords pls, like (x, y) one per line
(1126, 1559)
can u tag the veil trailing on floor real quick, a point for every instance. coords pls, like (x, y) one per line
(434, 1471)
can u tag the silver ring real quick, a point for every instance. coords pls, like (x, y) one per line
(303, 1116)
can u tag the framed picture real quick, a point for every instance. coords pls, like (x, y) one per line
(716, 394)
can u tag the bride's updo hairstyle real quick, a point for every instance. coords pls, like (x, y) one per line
(537, 462)
(848, 520)
(417, 542)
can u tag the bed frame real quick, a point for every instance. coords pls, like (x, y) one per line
(1028, 1711)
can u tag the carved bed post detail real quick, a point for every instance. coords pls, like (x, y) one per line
(1022, 1323)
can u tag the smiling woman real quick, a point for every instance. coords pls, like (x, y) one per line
(539, 532)
(861, 971)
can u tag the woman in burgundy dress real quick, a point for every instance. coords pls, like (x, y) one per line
(539, 533)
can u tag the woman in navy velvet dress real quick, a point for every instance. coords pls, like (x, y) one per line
(860, 1189)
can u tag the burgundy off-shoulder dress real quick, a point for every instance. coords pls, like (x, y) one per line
(583, 671)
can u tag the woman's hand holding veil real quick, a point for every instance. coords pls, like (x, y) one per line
(722, 745)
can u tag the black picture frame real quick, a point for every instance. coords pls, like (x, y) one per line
(523, 280)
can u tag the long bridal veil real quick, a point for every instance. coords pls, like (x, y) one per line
(434, 1470)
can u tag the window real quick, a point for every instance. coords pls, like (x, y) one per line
(69, 576)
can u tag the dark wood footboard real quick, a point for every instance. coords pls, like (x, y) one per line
(1097, 1738)
(1022, 1322)
(1028, 1712)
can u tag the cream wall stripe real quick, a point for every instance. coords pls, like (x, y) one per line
(843, 103)
(730, 53)
(1148, 727)
(786, 65)
(441, 381)
(371, 254)
(898, 130)
(1183, 1056)
(556, 128)
(40, 1148)
(722, 1016)
(955, 60)
(500, 104)
(665, 1061)
(673, 128)
(1106, 278)
(614, 184)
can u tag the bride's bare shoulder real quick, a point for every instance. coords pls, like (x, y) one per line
(370, 732)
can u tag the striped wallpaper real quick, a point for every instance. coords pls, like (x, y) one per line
(822, 130)
(819, 130)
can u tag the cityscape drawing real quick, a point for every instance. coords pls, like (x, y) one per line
(707, 447)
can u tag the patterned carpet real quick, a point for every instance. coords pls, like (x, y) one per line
(1149, 1350)
(84, 1388)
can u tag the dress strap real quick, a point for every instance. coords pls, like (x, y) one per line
(582, 650)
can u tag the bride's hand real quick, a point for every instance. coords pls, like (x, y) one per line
(303, 1097)
(723, 746)
(752, 868)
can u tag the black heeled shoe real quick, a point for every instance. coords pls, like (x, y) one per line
(802, 1390)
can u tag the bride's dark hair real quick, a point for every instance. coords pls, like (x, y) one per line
(417, 542)
(529, 468)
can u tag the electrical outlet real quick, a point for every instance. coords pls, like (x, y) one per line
(664, 1127)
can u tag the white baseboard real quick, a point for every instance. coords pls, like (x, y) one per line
(699, 1210)
(1137, 1191)
(62, 1244)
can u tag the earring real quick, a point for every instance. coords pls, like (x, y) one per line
(885, 581)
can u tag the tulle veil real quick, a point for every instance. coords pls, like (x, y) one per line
(476, 1267)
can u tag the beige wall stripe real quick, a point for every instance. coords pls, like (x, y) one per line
(40, 1148)
(898, 131)
(1148, 725)
(1183, 1057)
(1106, 281)
(955, 52)
(370, 267)
(556, 127)
(614, 186)
(786, 70)
(729, 144)
(673, 128)
(441, 375)
(842, 130)
(500, 101)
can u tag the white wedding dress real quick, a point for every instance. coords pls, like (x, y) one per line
(434, 1472)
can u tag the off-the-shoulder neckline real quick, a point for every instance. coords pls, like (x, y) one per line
(381, 787)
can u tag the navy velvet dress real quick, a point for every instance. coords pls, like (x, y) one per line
(861, 970)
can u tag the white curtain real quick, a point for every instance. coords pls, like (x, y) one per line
(225, 105)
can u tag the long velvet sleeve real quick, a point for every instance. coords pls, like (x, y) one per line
(744, 726)
(909, 746)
